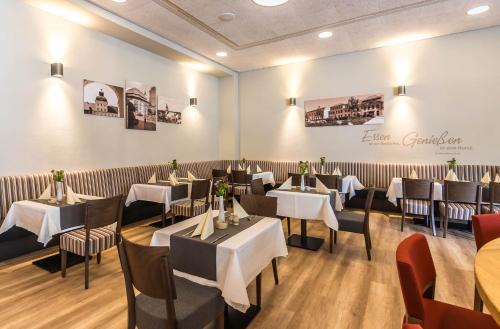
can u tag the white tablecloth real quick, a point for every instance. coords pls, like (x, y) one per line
(395, 190)
(267, 177)
(350, 184)
(239, 259)
(153, 193)
(41, 219)
(308, 206)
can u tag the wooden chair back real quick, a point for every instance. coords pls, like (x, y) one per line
(149, 270)
(218, 173)
(418, 189)
(368, 206)
(494, 190)
(296, 178)
(330, 181)
(104, 212)
(200, 189)
(240, 177)
(260, 205)
(257, 187)
(463, 192)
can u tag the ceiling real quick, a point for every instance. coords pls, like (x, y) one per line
(260, 37)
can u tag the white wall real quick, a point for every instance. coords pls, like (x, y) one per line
(42, 125)
(229, 128)
(453, 85)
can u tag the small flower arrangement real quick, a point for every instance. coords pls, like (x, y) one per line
(452, 164)
(322, 161)
(174, 164)
(57, 175)
(303, 167)
(221, 188)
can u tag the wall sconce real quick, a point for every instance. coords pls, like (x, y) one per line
(56, 70)
(193, 101)
(401, 90)
(292, 101)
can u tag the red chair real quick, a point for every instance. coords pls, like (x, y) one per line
(417, 276)
(486, 228)
(411, 326)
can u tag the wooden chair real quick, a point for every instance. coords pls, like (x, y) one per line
(262, 206)
(462, 200)
(96, 235)
(330, 181)
(418, 199)
(417, 276)
(257, 187)
(164, 300)
(355, 222)
(296, 178)
(219, 173)
(494, 195)
(241, 182)
(198, 203)
(485, 228)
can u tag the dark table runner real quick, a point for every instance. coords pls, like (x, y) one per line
(198, 257)
(333, 199)
(72, 215)
(178, 191)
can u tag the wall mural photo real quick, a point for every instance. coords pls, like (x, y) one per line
(345, 111)
(169, 110)
(141, 106)
(102, 99)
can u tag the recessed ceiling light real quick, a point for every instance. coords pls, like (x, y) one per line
(324, 35)
(270, 3)
(226, 17)
(119, 1)
(478, 10)
(221, 54)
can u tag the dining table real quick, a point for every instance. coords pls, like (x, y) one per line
(487, 277)
(266, 176)
(308, 205)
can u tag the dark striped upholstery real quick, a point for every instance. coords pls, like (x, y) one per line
(460, 211)
(416, 207)
(184, 208)
(240, 190)
(486, 209)
(100, 239)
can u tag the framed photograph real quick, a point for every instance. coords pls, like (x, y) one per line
(345, 111)
(169, 110)
(141, 106)
(102, 99)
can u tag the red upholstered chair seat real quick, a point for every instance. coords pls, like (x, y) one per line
(486, 228)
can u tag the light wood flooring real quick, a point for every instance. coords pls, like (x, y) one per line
(316, 290)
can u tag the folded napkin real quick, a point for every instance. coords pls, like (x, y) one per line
(47, 194)
(320, 187)
(191, 176)
(337, 172)
(259, 169)
(451, 176)
(238, 209)
(71, 197)
(173, 180)
(287, 185)
(497, 179)
(313, 171)
(239, 167)
(152, 180)
(228, 169)
(206, 226)
(413, 174)
(486, 178)
(248, 170)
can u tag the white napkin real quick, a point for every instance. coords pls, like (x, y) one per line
(313, 171)
(287, 185)
(206, 226)
(173, 180)
(259, 169)
(497, 179)
(320, 187)
(238, 210)
(337, 172)
(71, 197)
(47, 194)
(486, 178)
(228, 169)
(248, 170)
(451, 176)
(191, 176)
(239, 167)
(152, 180)
(413, 174)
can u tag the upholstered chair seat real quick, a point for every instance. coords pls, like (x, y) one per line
(416, 207)
(458, 211)
(240, 190)
(194, 306)
(184, 208)
(487, 209)
(100, 239)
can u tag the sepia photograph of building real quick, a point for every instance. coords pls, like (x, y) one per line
(169, 110)
(141, 106)
(102, 99)
(345, 111)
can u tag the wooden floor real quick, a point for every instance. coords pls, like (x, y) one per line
(316, 290)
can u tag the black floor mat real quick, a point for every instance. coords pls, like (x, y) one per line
(52, 264)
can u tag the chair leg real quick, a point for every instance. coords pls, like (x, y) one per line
(64, 261)
(98, 258)
(289, 226)
(445, 225)
(369, 239)
(275, 271)
(403, 217)
(331, 241)
(258, 282)
(335, 237)
(367, 245)
(478, 302)
(87, 271)
(433, 225)
(219, 322)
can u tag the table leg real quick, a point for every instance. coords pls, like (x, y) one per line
(303, 241)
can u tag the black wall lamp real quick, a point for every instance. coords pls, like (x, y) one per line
(193, 101)
(292, 101)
